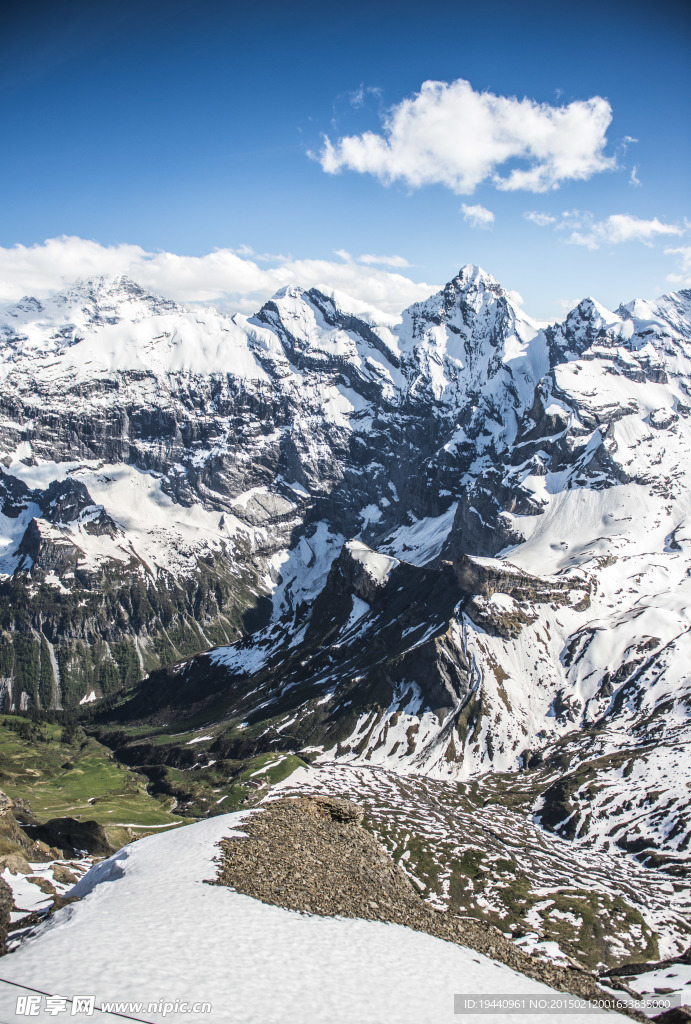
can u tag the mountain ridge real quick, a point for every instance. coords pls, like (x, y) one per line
(487, 392)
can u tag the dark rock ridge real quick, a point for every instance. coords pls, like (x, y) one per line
(405, 655)
(481, 579)
(6, 907)
(367, 674)
(47, 549)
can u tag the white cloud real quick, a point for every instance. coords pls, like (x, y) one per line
(477, 216)
(385, 261)
(620, 227)
(451, 135)
(613, 230)
(566, 305)
(633, 180)
(684, 254)
(226, 277)
(541, 219)
(358, 97)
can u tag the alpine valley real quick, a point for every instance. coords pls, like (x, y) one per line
(438, 564)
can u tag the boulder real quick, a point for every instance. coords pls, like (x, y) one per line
(44, 884)
(15, 864)
(63, 875)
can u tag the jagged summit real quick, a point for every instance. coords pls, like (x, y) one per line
(472, 305)
(106, 284)
(470, 282)
(472, 277)
(100, 290)
(590, 309)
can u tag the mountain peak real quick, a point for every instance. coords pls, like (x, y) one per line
(472, 295)
(471, 277)
(288, 291)
(592, 311)
(101, 287)
(474, 286)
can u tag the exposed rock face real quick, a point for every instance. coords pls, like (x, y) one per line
(501, 598)
(15, 846)
(65, 500)
(484, 577)
(72, 836)
(46, 548)
(365, 656)
(360, 571)
(15, 863)
(61, 873)
(84, 613)
(6, 906)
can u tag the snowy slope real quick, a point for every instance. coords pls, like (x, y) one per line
(154, 929)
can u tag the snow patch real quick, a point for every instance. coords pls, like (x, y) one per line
(401, 974)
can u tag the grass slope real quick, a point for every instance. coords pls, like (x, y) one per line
(64, 773)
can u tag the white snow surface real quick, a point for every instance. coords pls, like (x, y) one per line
(674, 979)
(109, 324)
(377, 565)
(162, 533)
(423, 540)
(149, 927)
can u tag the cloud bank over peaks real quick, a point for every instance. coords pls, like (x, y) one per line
(449, 134)
(230, 278)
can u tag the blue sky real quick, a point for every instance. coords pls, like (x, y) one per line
(189, 127)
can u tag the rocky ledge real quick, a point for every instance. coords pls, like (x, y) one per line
(313, 855)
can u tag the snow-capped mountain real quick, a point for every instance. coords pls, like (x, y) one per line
(171, 460)
(457, 541)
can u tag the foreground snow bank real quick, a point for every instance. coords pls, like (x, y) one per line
(149, 928)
